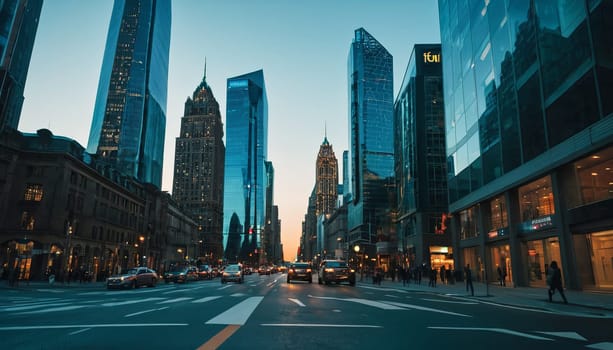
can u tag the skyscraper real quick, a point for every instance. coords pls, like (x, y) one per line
(18, 25)
(421, 171)
(129, 121)
(326, 179)
(529, 137)
(371, 146)
(199, 168)
(245, 173)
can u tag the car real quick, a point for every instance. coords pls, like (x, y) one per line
(205, 272)
(233, 272)
(264, 270)
(300, 271)
(181, 274)
(335, 271)
(133, 278)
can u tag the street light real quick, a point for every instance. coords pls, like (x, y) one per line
(356, 249)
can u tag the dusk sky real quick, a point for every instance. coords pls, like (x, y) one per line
(302, 47)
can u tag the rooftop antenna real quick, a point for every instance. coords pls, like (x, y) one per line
(204, 78)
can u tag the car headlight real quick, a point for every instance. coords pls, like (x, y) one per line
(308, 270)
(329, 269)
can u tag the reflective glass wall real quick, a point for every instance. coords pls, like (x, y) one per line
(515, 72)
(129, 121)
(245, 173)
(371, 148)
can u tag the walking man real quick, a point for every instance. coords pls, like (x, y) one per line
(469, 279)
(554, 279)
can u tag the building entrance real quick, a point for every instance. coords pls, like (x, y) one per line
(500, 257)
(541, 253)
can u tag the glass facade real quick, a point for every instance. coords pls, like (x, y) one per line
(371, 148)
(129, 121)
(18, 25)
(517, 71)
(245, 173)
(529, 130)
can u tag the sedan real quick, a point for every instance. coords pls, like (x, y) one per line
(300, 271)
(182, 275)
(232, 273)
(133, 278)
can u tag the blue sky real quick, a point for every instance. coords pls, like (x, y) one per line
(302, 46)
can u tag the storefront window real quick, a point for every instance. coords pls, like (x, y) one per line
(595, 176)
(468, 223)
(602, 258)
(498, 213)
(536, 199)
(501, 257)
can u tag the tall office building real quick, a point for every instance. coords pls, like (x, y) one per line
(529, 133)
(326, 179)
(129, 121)
(245, 173)
(199, 168)
(18, 25)
(420, 161)
(371, 146)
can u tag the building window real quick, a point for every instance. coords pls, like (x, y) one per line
(498, 213)
(468, 223)
(536, 199)
(595, 176)
(27, 221)
(34, 192)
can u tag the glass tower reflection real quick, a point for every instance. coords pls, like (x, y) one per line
(18, 25)
(129, 121)
(245, 172)
(371, 147)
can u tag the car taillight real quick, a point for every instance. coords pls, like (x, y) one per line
(308, 270)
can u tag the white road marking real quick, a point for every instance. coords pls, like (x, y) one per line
(391, 296)
(319, 325)
(452, 302)
(423, 308)
(79, 331)
(171, 301)
(53, 309)
(601, 346)
(224, 287)
(50, 290)
(205, 299)
(238, 295)
(146, 311)
(384, 306)
(384, 289)
(297, 302)
(238, 314)
(496, 330)
(570, 335)
(109, 325)
(176, 291)
(127, 302)
(33, 306)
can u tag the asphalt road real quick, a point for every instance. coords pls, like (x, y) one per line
(266, 312)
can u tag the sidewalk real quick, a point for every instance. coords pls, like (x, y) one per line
(586, 303)
(22, 285)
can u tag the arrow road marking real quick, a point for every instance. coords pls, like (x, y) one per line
(297, 302)
(380, 305)
(601, 346)
(496, 330)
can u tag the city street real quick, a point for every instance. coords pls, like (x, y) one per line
(266, 312)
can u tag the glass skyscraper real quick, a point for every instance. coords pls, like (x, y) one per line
(129, 121)
(18, 25)
(371, 146)
(245, 171)
(421, 171)
(529, 135)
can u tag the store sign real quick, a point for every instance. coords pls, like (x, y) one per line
(430, 57)
(497, 233)
(537, 224)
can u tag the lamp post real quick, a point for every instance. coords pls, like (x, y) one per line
(142, 250)
(356, 249)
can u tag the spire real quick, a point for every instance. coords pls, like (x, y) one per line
(325, 134)
(204, 76)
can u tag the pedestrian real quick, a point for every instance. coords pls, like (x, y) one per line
(406, 276)
(469, 279)
(500, 276)
(554, 280)
(442, 274)
(433, 274)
